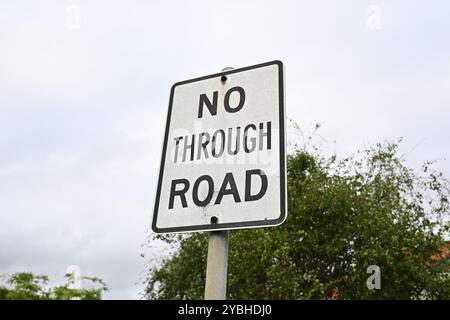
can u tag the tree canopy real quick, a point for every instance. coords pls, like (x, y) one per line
(343, 216)
(28, 286)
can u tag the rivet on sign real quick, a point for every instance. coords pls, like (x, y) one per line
(223, 78)
(214, 219)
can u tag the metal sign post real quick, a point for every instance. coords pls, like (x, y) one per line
(217, 263)
(216, 267)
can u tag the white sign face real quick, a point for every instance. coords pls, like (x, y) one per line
(223, 163)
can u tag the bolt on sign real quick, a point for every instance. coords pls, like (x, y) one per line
(223, 163)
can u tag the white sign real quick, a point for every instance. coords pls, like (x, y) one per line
(223, 162)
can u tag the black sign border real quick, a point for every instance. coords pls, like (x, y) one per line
(283, 187)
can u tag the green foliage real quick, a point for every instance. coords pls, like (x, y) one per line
(344, 215)
(27, 286)
(65, 292)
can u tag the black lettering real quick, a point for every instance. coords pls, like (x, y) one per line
(238, 135)
(241, 99)
(181, 193)
(267, 134)
(214, 153)
(177, 143)
(204, 202)
(232, 190)
(248, 185)
(202, 145)
(246, 139)
(212, 107)
(189, 147)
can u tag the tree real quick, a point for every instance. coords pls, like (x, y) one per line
(344, 216)
(27, 286)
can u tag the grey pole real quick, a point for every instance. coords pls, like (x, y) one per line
(217, 265)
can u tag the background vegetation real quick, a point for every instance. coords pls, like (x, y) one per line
(27, 286)
(344, 215)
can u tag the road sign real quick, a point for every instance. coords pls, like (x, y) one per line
(223, 163)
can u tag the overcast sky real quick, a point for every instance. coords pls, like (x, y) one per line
(84, 89)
